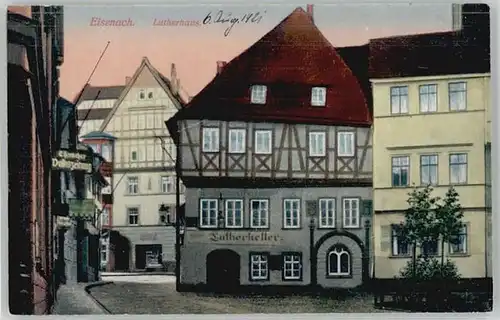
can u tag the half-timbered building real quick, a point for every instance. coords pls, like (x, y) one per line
(275, 154)
(141, 234)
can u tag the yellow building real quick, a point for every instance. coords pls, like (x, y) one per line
(431, 103)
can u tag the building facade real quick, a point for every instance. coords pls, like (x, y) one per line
(34, 52)
(142, 235)
(277, 167)
(432, 127)
(103, 144)
(78, 197)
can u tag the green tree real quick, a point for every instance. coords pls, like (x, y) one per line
(419, 224)
(430, 218)
(449, 214)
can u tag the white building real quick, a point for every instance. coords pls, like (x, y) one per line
(143, 165)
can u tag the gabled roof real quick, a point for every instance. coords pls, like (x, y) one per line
(430, 54)
(162, 80)
(290, 59)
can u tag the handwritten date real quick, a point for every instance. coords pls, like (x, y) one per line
(228, 18)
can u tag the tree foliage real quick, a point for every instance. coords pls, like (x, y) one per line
(431, 218)
(429, 268)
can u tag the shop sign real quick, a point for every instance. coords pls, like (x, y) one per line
(72, 161)
(235, 238)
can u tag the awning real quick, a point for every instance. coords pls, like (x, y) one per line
(83, 209)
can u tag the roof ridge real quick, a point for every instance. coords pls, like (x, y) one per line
(414, 35)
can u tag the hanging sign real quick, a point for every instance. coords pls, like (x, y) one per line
(72, 161)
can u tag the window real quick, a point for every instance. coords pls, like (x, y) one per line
(458, 96)
(339, 261)
(133, 156)
(317, 144)
(167, 184)
(234, 213)
(327, 213)
(428, 98)
(259, 267)
(210, 140)
(318, 96)
(458, 168)
(237, 141)
(208, 213)
(105, 217)
(345, 144)
(292, 266)
(351, 213)
(399, 246)
(150, 95)
(133, 185)
(260, 211)
(430, 248)
(458, 245)
(142, 95)
(104, 253)
(165, 214)
(258, 94)
(133, 216)
(149, 184)
(399, 100)
(106, 152)
(400, 171)
(291, 213)
(263, 140)
(429, 170)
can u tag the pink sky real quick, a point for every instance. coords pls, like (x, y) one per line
(194, 50)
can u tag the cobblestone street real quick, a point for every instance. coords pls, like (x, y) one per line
(161, 298)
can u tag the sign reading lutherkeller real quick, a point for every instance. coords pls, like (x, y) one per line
(236, 238)
(72, 161)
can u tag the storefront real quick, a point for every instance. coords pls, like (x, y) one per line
(229, 260)
(142, 248)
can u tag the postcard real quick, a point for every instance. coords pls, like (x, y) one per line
(251, 159)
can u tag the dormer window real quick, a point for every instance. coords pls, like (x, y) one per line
(142, 95)
(318, 96)
(258, 94)
(150, 95)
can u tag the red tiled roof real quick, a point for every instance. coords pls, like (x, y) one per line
(430, 54)
(290, 59)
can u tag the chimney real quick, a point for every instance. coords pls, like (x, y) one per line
(127, 80)
(456, 16)
(173, 79)
(310, 11)
(220, 66)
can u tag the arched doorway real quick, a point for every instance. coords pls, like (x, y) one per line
(223, 270)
